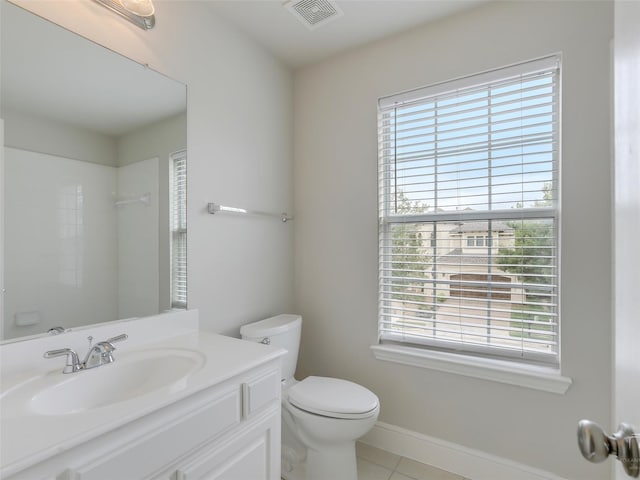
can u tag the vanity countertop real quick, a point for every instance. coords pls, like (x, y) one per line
(29, 437)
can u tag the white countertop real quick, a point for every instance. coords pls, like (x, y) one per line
(28, 437)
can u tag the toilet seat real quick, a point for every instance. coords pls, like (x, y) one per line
(333, 397)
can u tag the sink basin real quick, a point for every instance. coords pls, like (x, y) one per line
(131, 375)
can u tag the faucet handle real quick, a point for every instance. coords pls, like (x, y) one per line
(102, 352)
(118, 338)
(73, 363)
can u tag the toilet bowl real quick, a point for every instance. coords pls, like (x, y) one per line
(328, 415)
(322, 417)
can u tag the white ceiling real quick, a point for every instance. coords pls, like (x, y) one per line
(271, 24)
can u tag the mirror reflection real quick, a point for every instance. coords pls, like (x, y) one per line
(94, 181)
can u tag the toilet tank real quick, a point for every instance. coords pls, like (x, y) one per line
(281, 331)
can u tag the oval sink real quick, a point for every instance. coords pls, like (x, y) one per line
(131, 375)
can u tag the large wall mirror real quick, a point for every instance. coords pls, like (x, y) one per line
(94, 181)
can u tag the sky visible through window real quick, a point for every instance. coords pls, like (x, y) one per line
(488, 149)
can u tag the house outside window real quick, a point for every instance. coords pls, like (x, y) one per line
(469, 218)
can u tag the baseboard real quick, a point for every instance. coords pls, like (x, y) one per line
(449, 456)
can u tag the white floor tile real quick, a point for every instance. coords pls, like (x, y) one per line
(420, 471)
(399, 476)
(377, 464)
(371, 471)
(375, 455)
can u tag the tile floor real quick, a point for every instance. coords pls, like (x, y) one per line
(376, 464)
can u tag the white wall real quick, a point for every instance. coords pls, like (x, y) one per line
(335, 174)
(60, 230)
(239, 149)
(37, 134)
(159, 140)
(138, 240)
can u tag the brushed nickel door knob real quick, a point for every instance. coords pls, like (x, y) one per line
(596, 446)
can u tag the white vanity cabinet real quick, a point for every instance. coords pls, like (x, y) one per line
(228, 431)
(248, 456)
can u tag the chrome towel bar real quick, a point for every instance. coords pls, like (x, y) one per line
(214, 208)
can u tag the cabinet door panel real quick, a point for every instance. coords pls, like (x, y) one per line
(260, 392)
(137, 460)
(252, 456)
(250, 463)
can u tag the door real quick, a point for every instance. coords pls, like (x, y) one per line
(1, 228)
(595, 445)
(626, 394)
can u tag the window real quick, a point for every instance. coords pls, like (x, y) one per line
(462, 163)
(478, 240)
(178, 225)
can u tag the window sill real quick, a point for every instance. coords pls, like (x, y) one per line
(537, 378)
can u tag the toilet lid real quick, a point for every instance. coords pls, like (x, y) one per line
(332, 397)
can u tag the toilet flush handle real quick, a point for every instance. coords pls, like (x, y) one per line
(266, 341)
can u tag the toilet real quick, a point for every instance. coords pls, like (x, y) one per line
(322, 417)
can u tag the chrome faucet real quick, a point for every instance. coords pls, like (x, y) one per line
(73, 364)
(99, 354)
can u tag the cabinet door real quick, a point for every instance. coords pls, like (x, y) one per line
(154, 451)
(249, 463)
(254, 455)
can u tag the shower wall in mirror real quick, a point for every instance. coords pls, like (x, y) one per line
(89, 141)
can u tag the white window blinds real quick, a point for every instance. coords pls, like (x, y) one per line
(468, 203)
(178, 221)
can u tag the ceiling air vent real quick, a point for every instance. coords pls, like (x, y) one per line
(314, 13)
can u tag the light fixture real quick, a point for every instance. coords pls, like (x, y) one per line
(142, 8)
(138, 12)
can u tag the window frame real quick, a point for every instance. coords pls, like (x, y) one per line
(428, 349)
